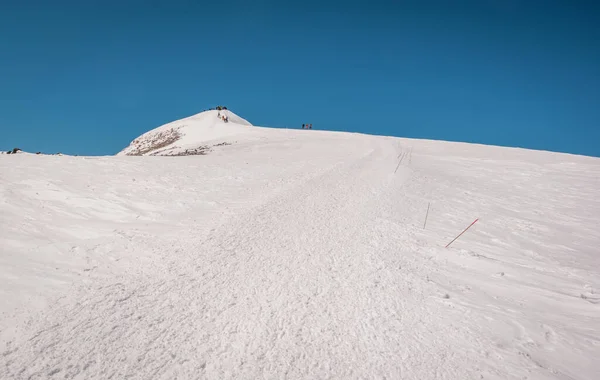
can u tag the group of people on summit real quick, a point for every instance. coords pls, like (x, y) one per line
(223, 117)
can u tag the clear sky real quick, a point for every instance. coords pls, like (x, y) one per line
(87, 76)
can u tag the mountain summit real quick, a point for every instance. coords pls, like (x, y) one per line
(187, 136)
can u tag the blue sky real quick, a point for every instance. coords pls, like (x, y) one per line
(86, 77)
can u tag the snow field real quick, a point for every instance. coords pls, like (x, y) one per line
(301, 254)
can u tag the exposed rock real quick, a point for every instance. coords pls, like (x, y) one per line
(160, 140)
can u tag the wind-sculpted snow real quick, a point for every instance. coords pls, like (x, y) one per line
(301, 254)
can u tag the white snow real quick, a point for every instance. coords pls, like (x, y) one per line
(300, 254)
(188, 133)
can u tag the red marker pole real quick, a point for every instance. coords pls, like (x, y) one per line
(462, 232)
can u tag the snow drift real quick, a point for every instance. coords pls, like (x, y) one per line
(299, 254)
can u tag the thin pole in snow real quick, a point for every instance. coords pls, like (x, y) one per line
(462, 232)
(426, 215)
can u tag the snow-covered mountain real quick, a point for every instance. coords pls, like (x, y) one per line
(189, 136)
(295, 254)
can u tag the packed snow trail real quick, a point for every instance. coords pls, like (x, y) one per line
(301, 257)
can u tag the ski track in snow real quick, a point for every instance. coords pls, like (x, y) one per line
(302, 255)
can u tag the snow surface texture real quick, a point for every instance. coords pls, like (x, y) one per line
(301, 254)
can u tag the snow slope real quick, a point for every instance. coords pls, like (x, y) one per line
(301, 254)
(188, 134)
